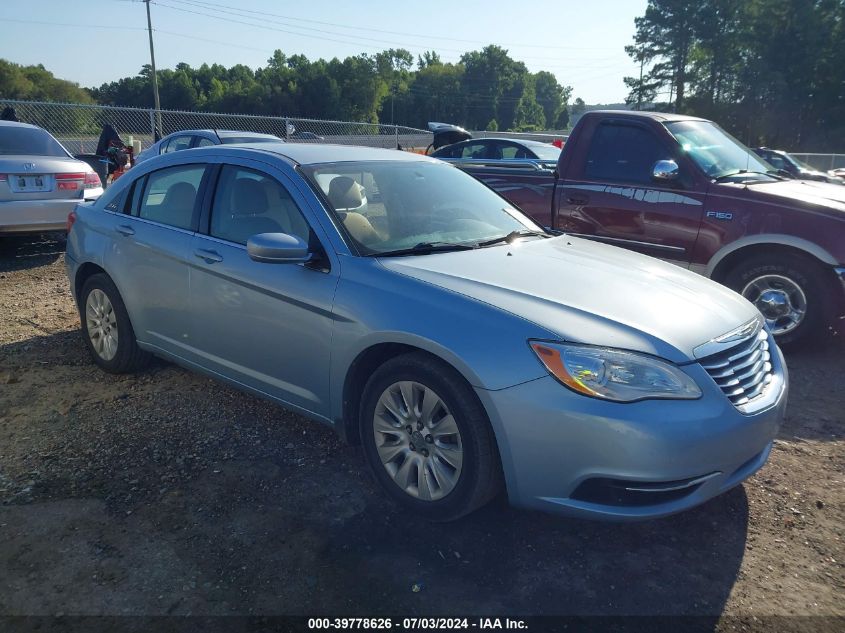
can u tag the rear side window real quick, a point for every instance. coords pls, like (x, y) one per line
(248, 202)
(204, 142)
(28, 141)
(623, 153)
(177, 143)
(170, 196)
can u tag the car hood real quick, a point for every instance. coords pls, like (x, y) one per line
(830, 196)
(586, 292)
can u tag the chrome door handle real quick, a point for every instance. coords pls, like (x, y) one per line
(209, 257)
(123, 229)
(577, 199)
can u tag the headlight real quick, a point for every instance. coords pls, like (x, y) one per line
(615, 375)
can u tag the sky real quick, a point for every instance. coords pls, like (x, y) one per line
(95, 41)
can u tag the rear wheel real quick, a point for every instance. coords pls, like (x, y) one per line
(789, 292)
(105, 324)
(427, 438)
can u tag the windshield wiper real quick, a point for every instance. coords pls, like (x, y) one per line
(512, 236)
(742, 172)
(425, 248)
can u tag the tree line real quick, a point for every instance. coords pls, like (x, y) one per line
(486, 89)
(770, 71)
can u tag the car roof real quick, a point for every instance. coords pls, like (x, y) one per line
(523, 141)
(314, 153)
(663, 117)
(222, 133)
(18, 124)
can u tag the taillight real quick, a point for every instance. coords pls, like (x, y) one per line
(71, 218)
(3, 177)
(92, 180)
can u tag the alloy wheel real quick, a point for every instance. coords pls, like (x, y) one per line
(101, 323)
(781, 301)
(418, 441)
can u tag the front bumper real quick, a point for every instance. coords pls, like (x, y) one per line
(567, 453)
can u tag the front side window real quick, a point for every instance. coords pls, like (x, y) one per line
(392, 205)
(476, 151)
(624, 154)
(248, 202)
(170, 196)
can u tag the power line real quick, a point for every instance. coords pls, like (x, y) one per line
(90, 26)
(322, 33)
(388, 32)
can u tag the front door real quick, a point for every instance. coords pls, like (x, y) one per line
(616, 200)
(266, 326)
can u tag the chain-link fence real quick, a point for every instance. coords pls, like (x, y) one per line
(78, 126)
(822, 162)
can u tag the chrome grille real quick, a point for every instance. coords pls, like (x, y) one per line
(744, 371)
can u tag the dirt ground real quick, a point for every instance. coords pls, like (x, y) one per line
(168, 493)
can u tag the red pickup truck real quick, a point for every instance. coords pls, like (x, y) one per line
(681, 189)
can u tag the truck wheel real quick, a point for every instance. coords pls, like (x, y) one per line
(105, 324)
(427, 439)
(788, 291)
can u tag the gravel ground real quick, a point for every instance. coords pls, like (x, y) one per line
(168, 493)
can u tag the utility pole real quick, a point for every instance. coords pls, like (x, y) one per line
(157, 132)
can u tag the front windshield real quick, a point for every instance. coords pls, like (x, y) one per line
(717, 153)
(800, 164)
(393, 205)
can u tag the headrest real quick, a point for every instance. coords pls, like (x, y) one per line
(180, 194)
(248, 197)
(344, 193)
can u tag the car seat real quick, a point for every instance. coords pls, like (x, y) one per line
(247, 213)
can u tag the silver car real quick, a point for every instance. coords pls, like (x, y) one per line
(189, 139)
(400, 301)
(40, 182)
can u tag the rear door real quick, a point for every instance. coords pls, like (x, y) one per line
(267, 326)
(148, 254)
(612, 197)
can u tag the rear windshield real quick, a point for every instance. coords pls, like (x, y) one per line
(28, 141)
(227, 140)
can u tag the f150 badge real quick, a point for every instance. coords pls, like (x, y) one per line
(720, 215)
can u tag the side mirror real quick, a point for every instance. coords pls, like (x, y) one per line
(277, 248)
(665, 171)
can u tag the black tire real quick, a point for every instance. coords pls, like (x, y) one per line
(128, 357)
(480, 478)
(809, 276)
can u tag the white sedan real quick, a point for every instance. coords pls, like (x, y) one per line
(40, 182)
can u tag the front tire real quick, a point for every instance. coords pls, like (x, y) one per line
(106, 327)
(427, 438)
(789, 292)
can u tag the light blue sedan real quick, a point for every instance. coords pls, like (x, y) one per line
(404, 303)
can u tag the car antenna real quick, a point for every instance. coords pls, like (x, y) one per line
(217, 135)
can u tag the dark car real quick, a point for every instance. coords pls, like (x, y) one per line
(797, 169)
(680, 188)
(491, 149)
